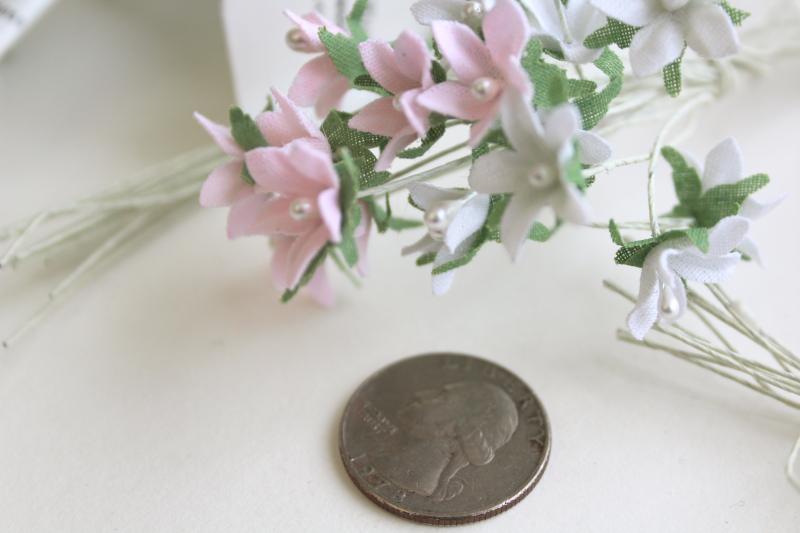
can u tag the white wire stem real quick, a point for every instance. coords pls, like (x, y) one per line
(793, 466)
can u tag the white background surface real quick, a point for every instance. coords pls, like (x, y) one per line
(175, 394)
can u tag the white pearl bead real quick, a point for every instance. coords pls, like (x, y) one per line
(300, 209)
(437, 220)
(673, 5)
(473, 10)
(668, 305)
(296, 40)
(541, 177)
(396, 104)
(485, 89)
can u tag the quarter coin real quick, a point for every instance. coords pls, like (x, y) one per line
(445, 439)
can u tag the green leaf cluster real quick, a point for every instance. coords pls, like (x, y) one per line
(635, 253)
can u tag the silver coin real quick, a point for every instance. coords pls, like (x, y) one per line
(445, 439)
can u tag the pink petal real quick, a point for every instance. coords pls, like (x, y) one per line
(312, 79)
(516, 78)
(506, 30)
(313, 162)
(273, 171)
(479, 130)
(303, 251)
(245, 214)
(320, 289)
(381, 63)
(380, 118)
(395, 146)
(416, 115)
(287, 123)
(414, 58)
(331, 213)
(224, 186)
(332, 96)
(280, 262)
(456, 100)
(309, 25)
(221, 136)
(468, 56)
(274, 218)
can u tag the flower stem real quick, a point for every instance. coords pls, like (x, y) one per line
(403, 182)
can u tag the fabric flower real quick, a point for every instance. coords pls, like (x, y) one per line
(404, 71)
(318, 84)
(662, 295)
(593, 149)
(724, 166)
(454, 218)
(582, 19)
(224, 186)
(468, 12)
(667, 26)
(535, 171)
(488, 72)
(304, 203)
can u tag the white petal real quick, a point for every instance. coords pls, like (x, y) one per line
(584, 19)
(546, 19)
(579, 54)
(633, 12)
(645, 315)
(727, 235)
(710, 31)
(518, 219)
(425, 245)
(425, 196)
(751, 250)
(656, 46)
(443, 282)
(593, 148)
(499, 172)
(561, 126)
(754, 209)
(571, 205)
(704, 269)
(469, 220)
(428, 11)
(522, 126)
(723, 165)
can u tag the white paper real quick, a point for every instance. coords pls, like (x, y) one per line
(17, 17)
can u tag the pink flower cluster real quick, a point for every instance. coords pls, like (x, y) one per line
(295, 198)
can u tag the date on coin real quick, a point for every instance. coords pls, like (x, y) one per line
(445, 439)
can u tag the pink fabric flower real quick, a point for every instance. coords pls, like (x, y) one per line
(487, 71)
(318, 84)
(404, 71)
(224, 186)
(304, 203)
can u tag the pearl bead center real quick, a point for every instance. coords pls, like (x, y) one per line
(485, 89)
(296, 40)
(541, 177)
(300, 209)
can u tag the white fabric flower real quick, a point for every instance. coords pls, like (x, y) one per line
(724, 166)
(582, 20)
(593, 149)
(667, 26)
(662, 295)
(535, 171)
(469, 12)
(454, 218)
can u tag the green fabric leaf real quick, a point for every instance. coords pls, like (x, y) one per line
(365, 82)
(595, 106)
(574, 171)
(688, 185)
(245, 131)
(349, 245)
(551, 85)
(349, 176)
(465, 259)
(726, 200)
(580, 88)
(341, 135)
(738, 16)
(426, 259)
(699, 237)
(673, 78)
(616, 236)
(344, 52)
(634, 253)
(355, 20)
(315, 264)
(615, 32)
(366, 162)
(385, 221)
(433, 136)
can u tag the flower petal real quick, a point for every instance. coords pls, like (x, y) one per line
(571, 205)
(481, 129)
(224, 186)
(303, 251)
(416, 115)
(320, 288)
(727, 235)
(273, 171)
(414, 59)
(723, 165)
(312, 79)
(286, 124)
(428, 11)
(594, 150)
(332, 95)
(710, 31)
(754, 209)
(381, 63)
(423, 246)
(584, 19)
(245, 214)
(467, 55)
(280, 262)
(523, 127)
(522, 211)
(704, 269)
(395, 146)
(313, 162)
(635, 13)
(221, 136)
(751, 250)
(456, 100)
(469, 220)
(546, 20)
(645, 314)
(506, 30)
(380, 118)
(331, 213)
(273, 218)
(425, 195)
(561, 126)
(442, 283)
(657, 45)
(499, 172)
